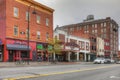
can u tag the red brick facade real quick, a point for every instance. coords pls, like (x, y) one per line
(8, 21)
(104, 28)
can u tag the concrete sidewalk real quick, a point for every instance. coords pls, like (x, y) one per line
(31, 64)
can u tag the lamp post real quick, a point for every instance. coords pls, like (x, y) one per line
(28, 35)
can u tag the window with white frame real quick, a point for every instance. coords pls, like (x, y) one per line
(83, 45)
(104, 30)
(104, 24)
(27, 33)
(47, 22)
(95, 25)
(71, 29)
(80, 44)
(78, 28)
(15, 30)
(38, 34)
(27, 15)
(101, 25)
(38, 19)
(16, 12)
(47, 36)
(87, 46)
(92, 31)
(95, 30)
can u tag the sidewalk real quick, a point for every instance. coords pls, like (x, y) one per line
(33, 64)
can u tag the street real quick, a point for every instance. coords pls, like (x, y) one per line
(63, 72)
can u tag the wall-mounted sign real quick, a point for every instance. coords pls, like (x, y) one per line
(39, 46)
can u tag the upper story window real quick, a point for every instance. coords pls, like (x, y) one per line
(47, 36)
(38, 34)
(83, 45)
(16, 30)
(95, 25)
(104, 24)
(87, 46)
(16, 12)
(38, 19)
(95, 31)
(101, 25)
(47, 22)
(27, 34)
(71, 29)
(27, 15)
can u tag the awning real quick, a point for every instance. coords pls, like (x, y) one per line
(17, 47)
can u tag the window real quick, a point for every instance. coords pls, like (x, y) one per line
(101, 30)
(38, 19)
(27, 15)
(83, 45)
(104, 24)
(71, 29)
(101, 25)
(104, 30)
(16, 30)
(95, 25)
(16, 12)
(95, 31)
(87, 46)
(47, 36)
(80, 44)
(38, 34)
(27, 33)
(47, 22)
(92, 25)
(78, 28)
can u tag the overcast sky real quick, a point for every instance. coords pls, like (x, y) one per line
(75, 11)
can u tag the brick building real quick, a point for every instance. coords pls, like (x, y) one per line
(14, 16)
(106, 29)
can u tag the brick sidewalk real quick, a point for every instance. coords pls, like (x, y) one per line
(14, 64)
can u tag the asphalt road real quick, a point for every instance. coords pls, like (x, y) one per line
(63, 72)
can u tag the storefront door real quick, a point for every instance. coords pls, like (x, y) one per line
(11, 58)
(1, 52)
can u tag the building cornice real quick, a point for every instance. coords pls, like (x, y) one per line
(37, 6)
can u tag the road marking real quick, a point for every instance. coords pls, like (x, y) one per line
(56, 73)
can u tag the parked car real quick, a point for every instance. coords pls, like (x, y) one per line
(107, 61)
(118, 62)
(113, 61)
(99, 61)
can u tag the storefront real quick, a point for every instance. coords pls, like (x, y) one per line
(18, 49)
(42, 53)
(1, 50)
(17, 52)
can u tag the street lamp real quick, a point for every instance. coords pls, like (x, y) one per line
(28, 35)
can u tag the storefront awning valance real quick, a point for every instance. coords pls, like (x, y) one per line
(17, 47)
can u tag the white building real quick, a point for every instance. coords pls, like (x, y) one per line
(74, 48)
